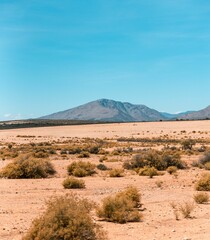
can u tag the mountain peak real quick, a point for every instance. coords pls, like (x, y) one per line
(107, 110)
(110, 111)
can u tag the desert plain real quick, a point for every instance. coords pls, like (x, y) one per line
(22, 200)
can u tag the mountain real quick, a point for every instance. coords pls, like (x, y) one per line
(109, 111)
(196, 115)
(175, 115)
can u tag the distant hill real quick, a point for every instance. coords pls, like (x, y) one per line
(109, 111)
(176, 115)
(106, 110)
(196, 115)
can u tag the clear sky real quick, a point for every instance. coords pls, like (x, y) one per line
(55, 55)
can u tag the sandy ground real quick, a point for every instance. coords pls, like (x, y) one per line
(23, 200)
(194, 129)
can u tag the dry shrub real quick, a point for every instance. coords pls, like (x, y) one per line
(207, 166)
(148, 171)
(185, 209)
(188, 144)
(174, 206)
(81, 169)
(203, 162)
(203, 183)
(84, 154)
(66, 217)
(28, 167)
(102, 167)
(205, 159)
(201, 198)
(156, 159)
(94, 149)
(73, 183)
(159, 183)
(121, 208)
(171, 170)
(116, 172)
(41, 154)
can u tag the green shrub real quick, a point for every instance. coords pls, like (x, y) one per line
(67, 218)
(201, 198)
(122, 207)
(73, 183)
(28, 167)
(148, 171)
(203, 183)
(81, 169)
(116, 172)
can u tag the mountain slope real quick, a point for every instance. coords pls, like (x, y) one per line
(110, 111)
(175, 115)
(201, 114)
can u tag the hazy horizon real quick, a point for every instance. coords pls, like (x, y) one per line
(56, 56)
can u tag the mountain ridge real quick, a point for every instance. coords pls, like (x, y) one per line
(115, 111)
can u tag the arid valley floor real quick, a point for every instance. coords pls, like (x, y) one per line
(22, 200)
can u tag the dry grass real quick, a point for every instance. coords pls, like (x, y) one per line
(62, 221)
(122, 207)
(73, 183)
(203, 183)
(201, 198)
(28, 167)
(81, 169)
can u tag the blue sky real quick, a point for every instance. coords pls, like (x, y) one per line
(55, 55)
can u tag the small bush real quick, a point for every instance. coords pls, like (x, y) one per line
(84, 155)
(66, 217)
(73, 183)
(204, 183)
(136, 162)
(27, 167)
(201, 198)
(187, 144)
(203, 162)
(173, 160)
(116, 172)
(186, 209)
(81, 169)
(122, 207)
(94, 149)
(156, 159)
(205, 159)
(41, 154)
(159, 183)
(207, 166)
(148, 171)
(102, 167)
(171, 169)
